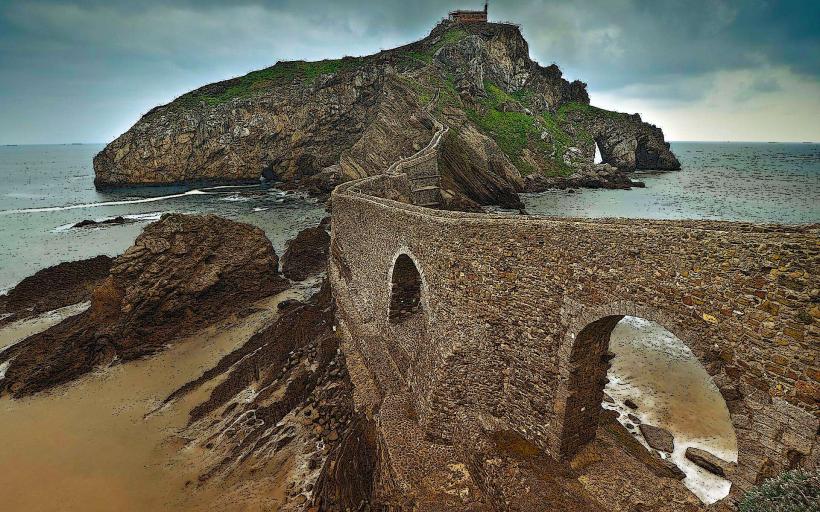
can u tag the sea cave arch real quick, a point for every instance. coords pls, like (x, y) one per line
(652, 379)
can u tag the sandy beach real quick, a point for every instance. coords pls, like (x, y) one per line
(99, 444)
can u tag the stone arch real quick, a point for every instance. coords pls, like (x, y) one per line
(406, 288)
(584, 359)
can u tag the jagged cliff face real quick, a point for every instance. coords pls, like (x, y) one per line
(313, 125)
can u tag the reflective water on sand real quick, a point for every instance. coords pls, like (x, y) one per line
(654, 369)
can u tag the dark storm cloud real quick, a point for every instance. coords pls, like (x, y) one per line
(84, 70)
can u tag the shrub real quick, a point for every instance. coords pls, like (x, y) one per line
(792, 491)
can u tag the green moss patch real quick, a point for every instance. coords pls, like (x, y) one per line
(586, 110)
(255, 81)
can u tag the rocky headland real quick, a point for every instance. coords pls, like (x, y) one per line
(514, 125)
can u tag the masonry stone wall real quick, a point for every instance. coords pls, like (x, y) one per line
(504, 299)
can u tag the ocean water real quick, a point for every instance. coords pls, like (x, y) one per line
(737, 181)
(45, 189)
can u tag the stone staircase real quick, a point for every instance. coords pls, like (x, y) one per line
(421, 168)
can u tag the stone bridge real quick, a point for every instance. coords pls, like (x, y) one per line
(505, 320)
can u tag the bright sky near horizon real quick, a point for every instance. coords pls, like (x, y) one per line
(85, 70)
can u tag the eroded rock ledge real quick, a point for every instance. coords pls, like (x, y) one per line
(54, 287)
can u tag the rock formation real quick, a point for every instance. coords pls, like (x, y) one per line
(306, 254)
(658, 438)
(67, 283)
(313, 125)
(182, 272)
(709, 462)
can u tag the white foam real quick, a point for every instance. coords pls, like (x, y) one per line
(106, 203)
(220, 187)
(646, 352)
(3, 368)
(139, 217)
(235, 198)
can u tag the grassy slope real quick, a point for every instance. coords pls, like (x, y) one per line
(256, 81)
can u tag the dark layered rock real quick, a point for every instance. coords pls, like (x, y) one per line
(183, 272)
(301, 408)
(106, 222)
(475, 172)
(347, 476)
(584, 176)
(658, 438)
(306, 254)
(709, 462)
(54, 287)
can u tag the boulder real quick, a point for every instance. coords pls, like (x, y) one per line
(658, 438)
(183, 273)
(709, 462)
(306, 254)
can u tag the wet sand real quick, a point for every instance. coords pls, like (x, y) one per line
(660, 374)
(93, 446)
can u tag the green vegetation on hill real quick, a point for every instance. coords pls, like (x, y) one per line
(586, 110)
(255, 81)
(421, 56)
(306, 72)
(515, 131)
(452, 35)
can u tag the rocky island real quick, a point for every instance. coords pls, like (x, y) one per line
(514, 125)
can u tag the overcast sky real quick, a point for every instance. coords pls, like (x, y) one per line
(85, 70)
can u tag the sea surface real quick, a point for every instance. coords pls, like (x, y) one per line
(737, 181)
(45, 189)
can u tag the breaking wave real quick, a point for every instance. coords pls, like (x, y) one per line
(105, 203)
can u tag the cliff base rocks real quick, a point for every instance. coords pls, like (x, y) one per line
(306, 254)
(183, 272)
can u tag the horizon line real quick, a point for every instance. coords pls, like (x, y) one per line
(671, 141)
